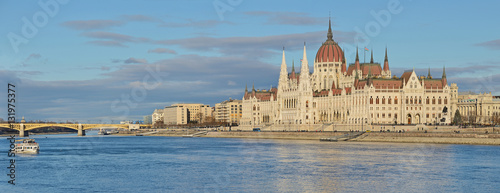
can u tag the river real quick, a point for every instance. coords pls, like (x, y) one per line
(67, 163)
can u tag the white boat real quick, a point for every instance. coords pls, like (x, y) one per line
(27, 146)
(103, 132)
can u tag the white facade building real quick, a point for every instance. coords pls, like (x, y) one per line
(157, 116)
(361, 93)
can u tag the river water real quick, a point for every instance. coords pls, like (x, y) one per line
(68, 163)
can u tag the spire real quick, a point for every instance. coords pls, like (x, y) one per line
(292, 75)
(357, 56)
(429, 73)
(284, 72)
(443, 79)
(330, 34)
(356, 64)
(371, 60)
(304, 68)
(305, 79)
(444, 73)
(253, 87)
(304, 56)
(386, 61)
(283, 62)
(246, 88)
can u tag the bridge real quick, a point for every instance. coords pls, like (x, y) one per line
(23, 127)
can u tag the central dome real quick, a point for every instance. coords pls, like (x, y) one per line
(330, 51)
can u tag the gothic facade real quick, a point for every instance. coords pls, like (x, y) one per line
(360, 93)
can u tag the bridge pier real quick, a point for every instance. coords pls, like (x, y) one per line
(81, 132)
(22, 133)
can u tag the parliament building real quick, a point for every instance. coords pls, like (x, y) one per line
(348, 94)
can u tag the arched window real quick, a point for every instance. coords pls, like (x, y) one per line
(433, 100)
(396, 100)
(389, 100)
(377, 101)
(439, 100)
(407, 100)
(427, 100)
(445, 100)
(383, 100)
(371, 100)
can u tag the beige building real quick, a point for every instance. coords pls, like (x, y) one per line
(176, 115)
(157, 116)
(179, 114)
(348, 94)
(229, 111)
(482, 108)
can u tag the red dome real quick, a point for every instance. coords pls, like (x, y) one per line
(329, 52)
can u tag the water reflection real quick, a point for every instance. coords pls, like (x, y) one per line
(159, 164)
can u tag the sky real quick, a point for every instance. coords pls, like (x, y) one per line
(107, 61)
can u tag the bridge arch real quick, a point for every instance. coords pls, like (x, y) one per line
(28, 128)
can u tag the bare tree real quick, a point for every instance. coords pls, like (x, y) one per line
(495, 118)
(199, 117)
(158, 124)
(472, 118)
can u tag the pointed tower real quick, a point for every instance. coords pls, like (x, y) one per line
(292, 75)
(429, 74)
(305, 80)
(386, 73)
(283, 80)
(386, 61)
(443, 78)
(253, 89)
(329, 35)
(246, 91)
(356, 63)
(371, 60)
(305, 91)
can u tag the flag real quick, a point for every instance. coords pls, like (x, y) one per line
(366, 49)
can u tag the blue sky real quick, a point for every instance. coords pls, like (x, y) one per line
(115, 60)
